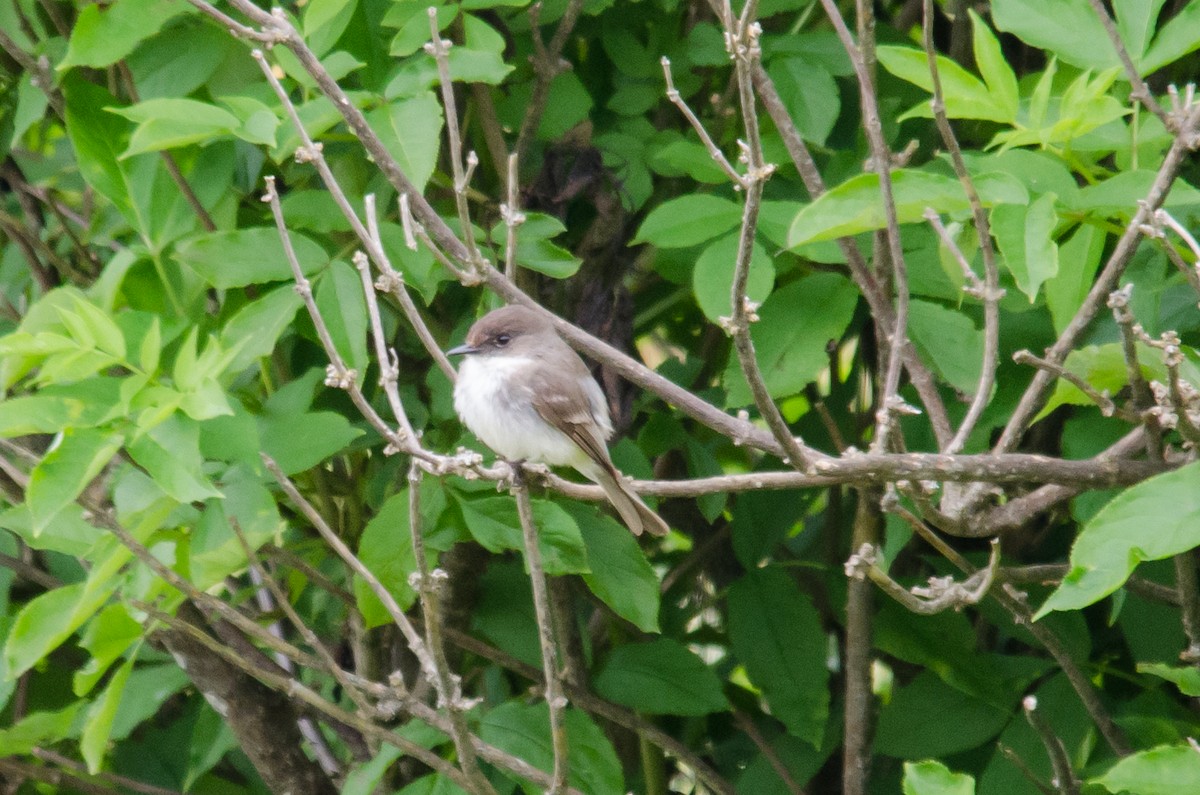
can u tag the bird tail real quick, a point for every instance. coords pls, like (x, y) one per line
(636, 514)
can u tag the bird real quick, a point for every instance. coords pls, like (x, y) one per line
(529, 397)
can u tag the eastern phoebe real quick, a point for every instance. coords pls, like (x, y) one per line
(529, 397)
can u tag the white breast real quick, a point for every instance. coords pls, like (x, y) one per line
(499, 411)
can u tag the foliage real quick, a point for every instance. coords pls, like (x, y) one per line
(160, 333)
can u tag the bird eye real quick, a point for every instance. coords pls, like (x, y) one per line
(503, 339)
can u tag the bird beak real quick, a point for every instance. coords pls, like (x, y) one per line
(462, 350)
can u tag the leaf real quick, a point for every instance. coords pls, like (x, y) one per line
(299, 439)
(712, 277)
(109, 634)
(1068, 28)
(966, 96)
(104, 34)
(40, 627)
(928, 717)
(38, 729)
(1177, 38)
(1165, 770)
(620, 575)
(1187, 679)
(810, 95)
(930, 325)
(168, 123)
(534, 249)
(170, 454)
(1111, 545)
(994, 68)
(1078, 261)
(385, 547)
(98, 726)
(688, 221)
(80, 405)
(493, 522)
(247, 256)
(1024, 236)
(933, 778)
(523, 730)
(776, 634)
(792, 354)
(62, 474)
(411, 130)
(258, 326)
(339, 297)
(97, 138)
(856, 205)
(660, 678)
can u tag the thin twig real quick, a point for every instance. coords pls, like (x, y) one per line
(1033, 397)
(1141, 92)
(1060, 762)
(555, 699)
(1105, 403)
(439, 48)
(429, 585)
(415, 643)
(881, 163)
(547, 64)
(990, 292)
(513, 217)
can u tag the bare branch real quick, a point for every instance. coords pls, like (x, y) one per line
(555, 699)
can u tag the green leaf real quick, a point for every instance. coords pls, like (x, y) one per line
(712, 277)
(1068, 28)
(1177, 38)
(1025, 238)
(933, 778)
(107, 637)
(299, 439)
(1111, 545)
(80, 405)
(97, 137)
(966, 96)
(247, 256)
(170, 454)
(104, 34)
(661, 677)
(411, 129)
(38, 729)
(258, 325)
(1187, 679)
(493, 522)
(59, 477)
(168, 123)
(776, 634)
(1136, 22)
(856, 205)
(993, 66)
(1078, 261)
(620, 575)
(385, 547)
(790, 354)
(534, 249)
(810, 95)
(928, 717)
(98, 727)
(40, 627)
(1104, 368)
(689, 220)
(1165, 770)
(339, 297)
(930, 325)
(523, 730)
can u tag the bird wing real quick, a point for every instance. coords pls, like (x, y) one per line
(572, 412)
